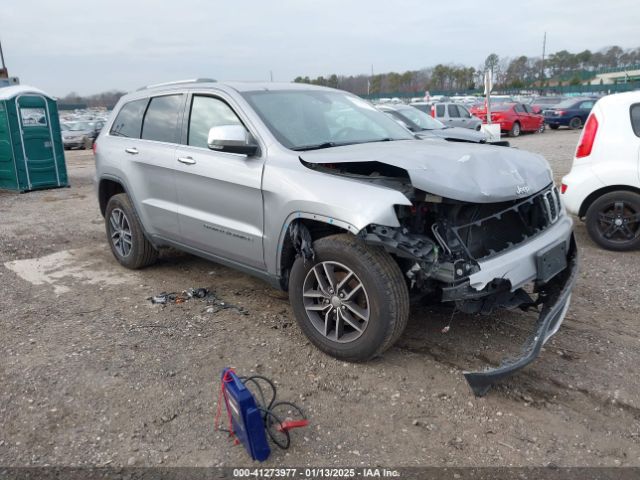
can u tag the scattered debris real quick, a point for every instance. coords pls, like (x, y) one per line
(214, 303)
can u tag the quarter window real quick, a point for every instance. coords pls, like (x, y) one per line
(129, 120)
(208, 112)
(161, 120)
(635, 118)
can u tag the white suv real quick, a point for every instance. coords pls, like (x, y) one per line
(603, 186)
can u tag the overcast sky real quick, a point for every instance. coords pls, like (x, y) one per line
(91, 46)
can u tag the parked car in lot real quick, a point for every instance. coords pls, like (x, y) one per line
(451, 114)
(323, 195)
(425, 126)
(572, 113)
(80, 134)
(603, 186)
(541, 103)
(514, 118)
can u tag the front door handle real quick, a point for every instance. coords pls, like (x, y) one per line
(132, 151)
(186, 160)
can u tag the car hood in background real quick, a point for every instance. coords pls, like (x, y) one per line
(460, 171)
(74, 133)
(454, 133)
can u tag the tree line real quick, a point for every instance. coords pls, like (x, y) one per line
(104, 99)
(515, 72)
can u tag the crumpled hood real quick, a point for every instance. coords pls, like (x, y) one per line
(460, 171)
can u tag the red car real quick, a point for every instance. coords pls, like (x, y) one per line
(514, 118)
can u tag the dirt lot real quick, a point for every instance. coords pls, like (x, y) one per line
(93, 374)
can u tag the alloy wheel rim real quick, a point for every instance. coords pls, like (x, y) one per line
(336, 302)
(619, 222)
(120, 231)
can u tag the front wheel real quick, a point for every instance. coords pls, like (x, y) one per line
(515, 130)
(542, 128)
(613, 221)
(554, 127)
(351, 300)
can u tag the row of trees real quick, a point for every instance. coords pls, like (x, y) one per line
(518, 72)
(105, 99)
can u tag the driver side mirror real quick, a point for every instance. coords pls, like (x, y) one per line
(232, 139)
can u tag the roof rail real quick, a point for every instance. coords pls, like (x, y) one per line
(178, 82)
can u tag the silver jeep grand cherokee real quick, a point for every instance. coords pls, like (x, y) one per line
(319, 193)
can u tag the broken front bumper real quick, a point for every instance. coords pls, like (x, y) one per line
(555, 297)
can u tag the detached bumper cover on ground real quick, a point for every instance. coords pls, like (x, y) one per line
(555, 295)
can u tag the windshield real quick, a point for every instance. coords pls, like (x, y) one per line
(547, 101)
(421, 119)
(79, 126)
(312, 119)
(502, 107)
(569, 102)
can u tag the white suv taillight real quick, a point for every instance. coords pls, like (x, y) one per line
(588, 137)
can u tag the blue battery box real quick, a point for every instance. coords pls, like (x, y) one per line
(246, 417)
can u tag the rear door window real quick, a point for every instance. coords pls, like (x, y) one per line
(128, 123)
(439, 110)
(586, 105)
(453, 111)
(161, 120)
(520, 108)
(635, 118)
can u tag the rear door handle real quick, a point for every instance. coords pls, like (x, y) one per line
(132, 151)
(186, 160)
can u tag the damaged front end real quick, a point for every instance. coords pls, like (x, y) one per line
(486, 256)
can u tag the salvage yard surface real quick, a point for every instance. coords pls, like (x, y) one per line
(93, 374)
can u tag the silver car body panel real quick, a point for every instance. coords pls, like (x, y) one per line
(454, 133)
(250, 202)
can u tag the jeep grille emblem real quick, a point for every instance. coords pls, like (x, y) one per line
(523, 189)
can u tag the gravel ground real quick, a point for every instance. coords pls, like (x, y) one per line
(93, 374)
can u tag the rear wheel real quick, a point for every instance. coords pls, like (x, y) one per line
(125, 235)
(515, 130)
(351, 300)
(613, 221)
(575, 123)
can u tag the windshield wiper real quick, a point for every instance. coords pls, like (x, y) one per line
(318, 146)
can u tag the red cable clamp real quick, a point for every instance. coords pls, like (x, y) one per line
(290, 424)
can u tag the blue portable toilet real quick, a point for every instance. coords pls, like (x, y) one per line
(31, 149)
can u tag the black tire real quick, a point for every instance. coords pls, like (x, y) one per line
(575, 123)
(141, 252)
(554, 127)
(387, 297)
(542, 128)
(515, 130)
(613, 221)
